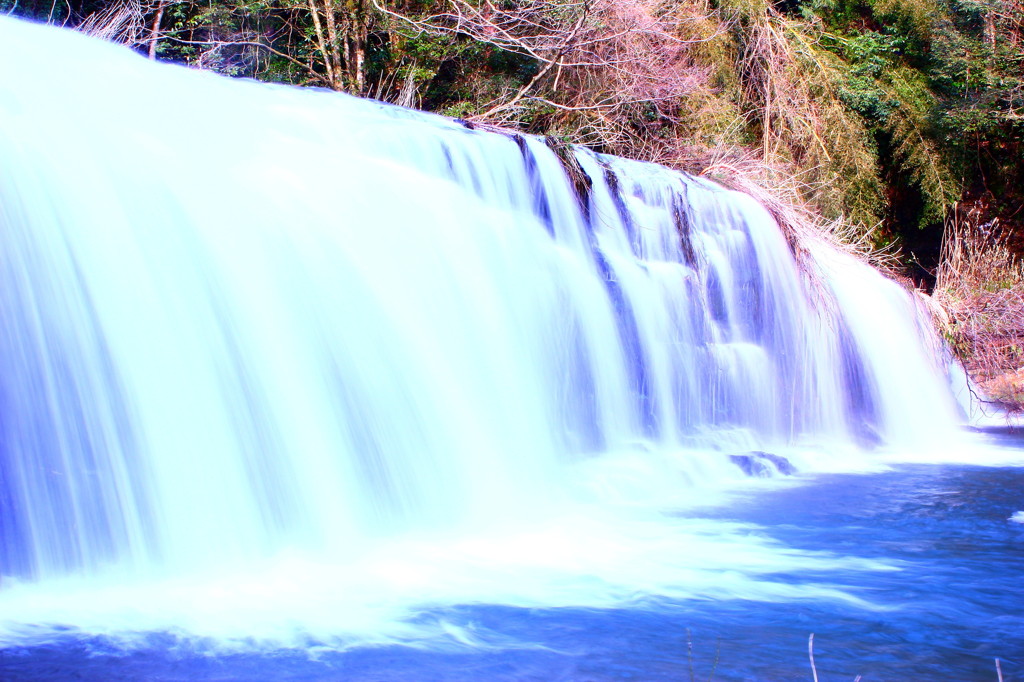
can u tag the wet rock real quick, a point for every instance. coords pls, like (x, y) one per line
(763, 464)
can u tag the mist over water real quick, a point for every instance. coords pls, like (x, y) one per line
(333, 363)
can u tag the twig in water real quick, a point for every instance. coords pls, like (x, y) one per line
(718, 653)
(999, 671)
(810, 652)
(689, 653)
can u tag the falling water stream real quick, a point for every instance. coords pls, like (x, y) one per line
(287, 375)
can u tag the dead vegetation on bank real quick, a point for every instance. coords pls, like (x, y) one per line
(980, 287)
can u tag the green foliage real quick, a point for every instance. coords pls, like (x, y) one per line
(910, 123)
(936, 90)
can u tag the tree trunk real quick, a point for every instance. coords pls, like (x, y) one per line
(329, 62)
(154, 33)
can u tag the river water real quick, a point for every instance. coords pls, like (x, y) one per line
(942, 586)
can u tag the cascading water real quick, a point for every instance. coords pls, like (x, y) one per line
(339, 358)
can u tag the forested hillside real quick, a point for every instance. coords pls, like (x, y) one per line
(894, 118)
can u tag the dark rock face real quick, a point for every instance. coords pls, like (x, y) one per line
(763, 464)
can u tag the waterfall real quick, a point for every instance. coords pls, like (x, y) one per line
(246, 324)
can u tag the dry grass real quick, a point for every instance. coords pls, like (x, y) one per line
(980, 285)
(122, 22)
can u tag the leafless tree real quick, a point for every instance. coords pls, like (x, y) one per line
(611, 72)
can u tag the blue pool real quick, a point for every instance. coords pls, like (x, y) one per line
(952, 602)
